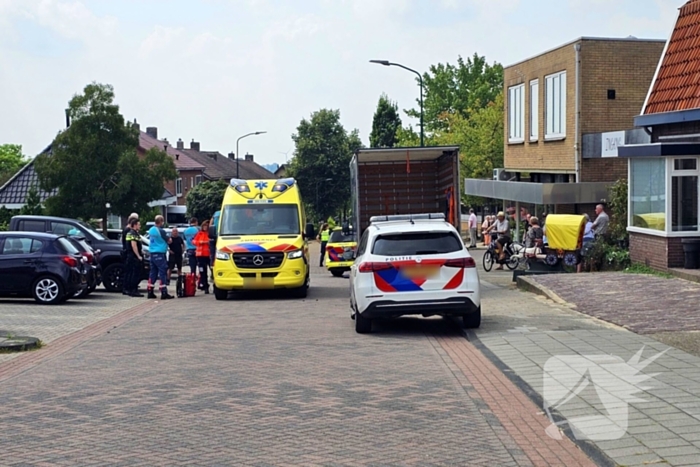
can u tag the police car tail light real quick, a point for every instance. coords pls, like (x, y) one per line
(373, 267)
(461, 263)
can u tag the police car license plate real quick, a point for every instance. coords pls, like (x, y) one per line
(420, 272)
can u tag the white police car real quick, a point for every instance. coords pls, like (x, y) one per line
(413, 265)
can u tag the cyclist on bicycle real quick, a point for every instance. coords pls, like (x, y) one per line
(502, 228)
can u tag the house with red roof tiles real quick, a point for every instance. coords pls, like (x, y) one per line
(664, 174)
(189, 171)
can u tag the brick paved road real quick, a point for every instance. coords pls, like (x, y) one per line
(267, 381)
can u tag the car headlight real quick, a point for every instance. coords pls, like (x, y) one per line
(222, 255)
(295, 254)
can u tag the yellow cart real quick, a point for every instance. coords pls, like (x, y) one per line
(564, 233)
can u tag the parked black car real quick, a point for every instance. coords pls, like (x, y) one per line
(92, 265)
(110, 250)
(44, 266)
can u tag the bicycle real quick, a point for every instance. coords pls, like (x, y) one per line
(513, 259)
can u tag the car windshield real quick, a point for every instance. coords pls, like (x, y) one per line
(423, 243)
(260, 219)
(67, 246)
(339, 237)
(92, 231)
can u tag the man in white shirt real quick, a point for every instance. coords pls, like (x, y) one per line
(502, 229)
(472, 229)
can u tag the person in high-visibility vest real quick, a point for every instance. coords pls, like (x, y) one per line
(323, 236)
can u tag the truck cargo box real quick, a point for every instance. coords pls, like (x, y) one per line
(414, 180)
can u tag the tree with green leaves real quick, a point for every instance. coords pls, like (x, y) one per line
(94, 163)
(205, 199)
(321, 162)
(11, 160)
(385, 124)
(458, 90)
(480, 139)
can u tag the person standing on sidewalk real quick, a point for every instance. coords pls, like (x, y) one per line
(600, 226)
(134, 259)
(124, 253)
(472, 229)
(201, 242)
(588, 237)
(323, 236)
(189, 235)
(177, 248)
(159, 263)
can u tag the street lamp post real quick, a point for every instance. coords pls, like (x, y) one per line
(245, 136)
(420, 80)
(317, 184)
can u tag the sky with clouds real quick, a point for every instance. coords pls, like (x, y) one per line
(213, 70)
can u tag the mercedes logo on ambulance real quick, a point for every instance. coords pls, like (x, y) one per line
(258, 260)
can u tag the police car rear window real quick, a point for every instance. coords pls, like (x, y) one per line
(337, 236)
(428, 243)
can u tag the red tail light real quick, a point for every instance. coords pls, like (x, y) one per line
(88, 257)
(70, 261)
(372, 267)
(461, 263)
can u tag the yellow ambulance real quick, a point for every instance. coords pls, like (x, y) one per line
(261, 238)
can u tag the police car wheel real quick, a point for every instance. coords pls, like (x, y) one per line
(362, 325)
(472, 320)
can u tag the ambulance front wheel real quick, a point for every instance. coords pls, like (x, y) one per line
(220, 294)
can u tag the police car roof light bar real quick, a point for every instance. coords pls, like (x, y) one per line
(407, 217)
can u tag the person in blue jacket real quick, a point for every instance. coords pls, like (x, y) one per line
(159, 263)
(189, 234)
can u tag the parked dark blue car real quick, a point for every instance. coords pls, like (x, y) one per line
(44, 266)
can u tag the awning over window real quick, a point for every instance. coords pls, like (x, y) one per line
(538, 193)
(659, 150)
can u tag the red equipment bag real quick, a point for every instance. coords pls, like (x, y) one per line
(190, 285)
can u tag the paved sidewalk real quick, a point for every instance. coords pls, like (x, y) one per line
(24, 317)
(641, 303)
(524, 332)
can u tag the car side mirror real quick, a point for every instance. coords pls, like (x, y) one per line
(212, 233)
(309, 231)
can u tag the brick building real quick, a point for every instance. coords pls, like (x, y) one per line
(557, 104)
(664, 173)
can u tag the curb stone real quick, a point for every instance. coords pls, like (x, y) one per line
(528, 285)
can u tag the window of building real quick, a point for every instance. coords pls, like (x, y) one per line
(684, 195)
(534, 109)
(114, 221)
(197, 180)
(647, 193)
(516, 113)
(555, 105)
(178, 187)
